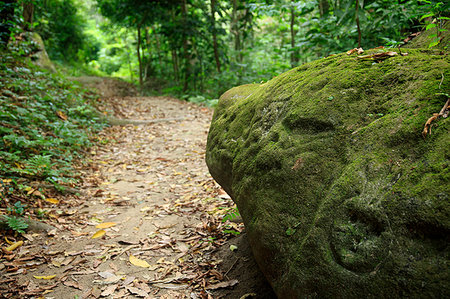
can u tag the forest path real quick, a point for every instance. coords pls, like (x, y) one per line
(148, 224)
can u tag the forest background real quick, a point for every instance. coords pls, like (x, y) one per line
(197, 49)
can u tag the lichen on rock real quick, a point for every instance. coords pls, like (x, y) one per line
(340, 194)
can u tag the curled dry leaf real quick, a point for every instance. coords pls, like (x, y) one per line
(378, 56)
(14, 246)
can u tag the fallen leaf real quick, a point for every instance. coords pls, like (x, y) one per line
(61, 115)
(170, 286)
(137, 292)
(52, 200)
(14, 246)
(45, 277)
(106, 225)
(137, 262)
(378, 56)
(99, 234)
(233, 247)
(224, 284)
(72, 284)
(109, 290)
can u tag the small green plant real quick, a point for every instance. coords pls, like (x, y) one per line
(16, 224)
(435, 11)
(232, 214)
(17, 209)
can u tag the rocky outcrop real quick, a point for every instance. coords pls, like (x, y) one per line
(341, 195)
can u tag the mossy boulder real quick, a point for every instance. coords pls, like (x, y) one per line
(341, 195)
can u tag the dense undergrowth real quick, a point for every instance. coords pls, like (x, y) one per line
(46, 122)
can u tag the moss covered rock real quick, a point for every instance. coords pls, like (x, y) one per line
(341, 195)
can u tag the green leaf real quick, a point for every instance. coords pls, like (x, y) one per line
(290, 231)
(427, 15)
(432, 44)
(429, 26)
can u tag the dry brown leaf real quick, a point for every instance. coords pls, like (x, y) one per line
(137, 292)
(109, 290)
(224, 284)
(72, 284)
(61, 115)
(378, 56)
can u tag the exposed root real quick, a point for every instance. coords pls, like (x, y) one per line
(443, 113)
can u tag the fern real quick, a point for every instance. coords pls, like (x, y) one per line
(16, 224)
(233, 214)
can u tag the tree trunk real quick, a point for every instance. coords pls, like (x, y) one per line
(158, 47)
(176, 70)
(214, 34)
(357, 23)
(28, 12)
(294, 51)
(235, 31)
(324, 7)
(138, 48)
(6, 15)
(187, 69)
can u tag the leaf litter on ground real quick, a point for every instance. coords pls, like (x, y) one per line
(151, 179)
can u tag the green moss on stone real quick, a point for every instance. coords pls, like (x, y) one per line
(332, 151)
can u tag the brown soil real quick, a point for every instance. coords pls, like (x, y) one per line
(161, 212)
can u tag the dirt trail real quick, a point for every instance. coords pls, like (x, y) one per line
(149, 198)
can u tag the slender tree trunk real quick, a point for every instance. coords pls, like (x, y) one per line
(324, 7)
(235, 31)
(28, 12)
(175, 64)
(158, 47)
(214, 34)
(187, 69)
(294, 51)
(125, 42)
(357, 23)
(138, 48)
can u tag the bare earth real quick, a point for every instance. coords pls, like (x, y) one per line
(148, 222)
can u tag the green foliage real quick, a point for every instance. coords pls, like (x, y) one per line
(232, 214)
(435, 15)
(17, 209)
(45, 123)
(64, 31)
(16, 224)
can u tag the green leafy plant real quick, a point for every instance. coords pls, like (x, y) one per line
(232, 214)
(436, 20)
(17, 209)
(16, 224)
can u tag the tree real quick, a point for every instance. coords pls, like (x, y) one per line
(7, 8)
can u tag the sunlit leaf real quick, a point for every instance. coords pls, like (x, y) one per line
(45, 277)
(138, 262)
(14, 246)
(106, 225)
(429, 26)
(99, 234)
(52, 200)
